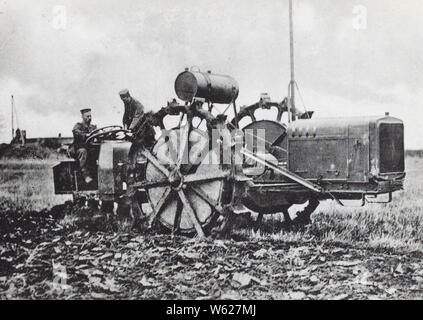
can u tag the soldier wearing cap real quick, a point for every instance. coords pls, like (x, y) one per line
(134, 111)
(80, 133)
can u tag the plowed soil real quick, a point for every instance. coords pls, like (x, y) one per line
(43, 257)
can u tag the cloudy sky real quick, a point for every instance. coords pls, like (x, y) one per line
(352, 57)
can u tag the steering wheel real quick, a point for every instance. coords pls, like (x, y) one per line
(107, 133)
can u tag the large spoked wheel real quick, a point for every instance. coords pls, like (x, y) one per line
(269, 137)
(269, 134)
(184, 182)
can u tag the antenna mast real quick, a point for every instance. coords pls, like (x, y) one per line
(291, 87)
(13, 107)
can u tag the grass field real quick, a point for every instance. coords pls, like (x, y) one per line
(28, 183)
(395, 225)
(371, 252)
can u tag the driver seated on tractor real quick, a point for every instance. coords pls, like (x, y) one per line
(134, 111)
(80, 149)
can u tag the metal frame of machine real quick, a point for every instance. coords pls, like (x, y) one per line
(306, 160)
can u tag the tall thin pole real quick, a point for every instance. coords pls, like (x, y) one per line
(13, 107)
(291, 47)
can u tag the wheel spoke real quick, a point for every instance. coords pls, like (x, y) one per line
(183, 146)
(191, 178)
(151, 184)
(191, 214)
(173, 153)
(206, 198)
(157, 209)
(155, 162)
(178, 214)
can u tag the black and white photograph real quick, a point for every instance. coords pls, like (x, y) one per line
(221, 152)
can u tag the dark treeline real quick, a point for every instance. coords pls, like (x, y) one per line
(414, 153)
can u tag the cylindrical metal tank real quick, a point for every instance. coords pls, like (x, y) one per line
(215, 88)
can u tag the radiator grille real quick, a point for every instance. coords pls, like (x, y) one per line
(391, 142)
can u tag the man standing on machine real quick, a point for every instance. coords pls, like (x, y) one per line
(134, 111)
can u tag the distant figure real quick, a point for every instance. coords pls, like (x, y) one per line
(17, 138)
(23, 137)
(134, 111)
(80, 150)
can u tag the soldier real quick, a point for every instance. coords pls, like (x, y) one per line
(80, 133)
(17, 138)
(134, 111)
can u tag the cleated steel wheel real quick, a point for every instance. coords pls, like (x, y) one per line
(184, 182)
(269, 138)
(303, 217)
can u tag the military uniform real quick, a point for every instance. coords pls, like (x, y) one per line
(134, 112)
(80, 133)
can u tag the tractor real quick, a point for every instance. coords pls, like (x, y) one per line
(195, 176)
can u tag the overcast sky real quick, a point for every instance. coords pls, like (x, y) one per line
(352, 57)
